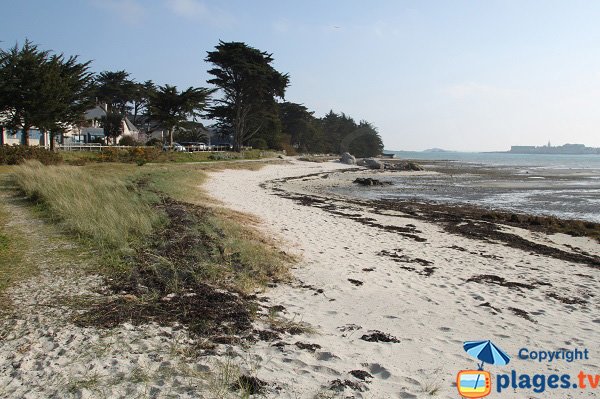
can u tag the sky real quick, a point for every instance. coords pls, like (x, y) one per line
(458, 75)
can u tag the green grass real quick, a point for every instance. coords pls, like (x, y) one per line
(104, 208)
(157, 156)
(234, 233)
(118, 208)
(12, 267)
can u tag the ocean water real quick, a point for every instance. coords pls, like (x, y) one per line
(505, 159)
(566, 186)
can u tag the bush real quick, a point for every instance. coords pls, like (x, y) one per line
(259, 143)
(17, 154)
(222, 156)
(154, 142)
(128, 140)
(139, 155)
(289, 150)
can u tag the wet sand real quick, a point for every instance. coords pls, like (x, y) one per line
(564, 193)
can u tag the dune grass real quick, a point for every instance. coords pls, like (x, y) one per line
(105, 208)
(231, 238)
(126, 210)
(154, 155)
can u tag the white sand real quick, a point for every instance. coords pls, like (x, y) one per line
(43, 354)
(431, 316)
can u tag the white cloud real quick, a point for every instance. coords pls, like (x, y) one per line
(198, 10)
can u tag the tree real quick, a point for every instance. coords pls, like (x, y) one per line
(68, 96)
(191, 131)
(342, 134)
(22, 74)
(335, 127)
(249, 86)
(112, 123)
(302, 127)
(363, 142)
(116, 90)
(172, 108)
(42, 90)
(141, 98)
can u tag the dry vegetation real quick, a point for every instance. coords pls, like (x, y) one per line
(169, 253)
(103, 208)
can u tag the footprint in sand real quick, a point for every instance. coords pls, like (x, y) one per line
(326, 370)
(378, 370)
(407, 395)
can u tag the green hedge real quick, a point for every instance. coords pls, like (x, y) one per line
(17, 154)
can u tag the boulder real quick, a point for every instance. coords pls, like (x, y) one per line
(404, 165)
(368, 181)
(348, 159)
(372, 163)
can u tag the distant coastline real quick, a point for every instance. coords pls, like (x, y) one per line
(567, 149)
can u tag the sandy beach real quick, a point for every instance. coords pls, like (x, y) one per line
(405, 280)
(277, 200)
(378, 304)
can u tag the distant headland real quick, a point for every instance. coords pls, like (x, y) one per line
(569, 149)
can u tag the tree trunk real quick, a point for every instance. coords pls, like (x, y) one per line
(51, 141)
(25, 136)
(171, 137)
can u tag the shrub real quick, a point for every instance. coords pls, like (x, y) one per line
(17, 154)
(139, 155)
(155, 142)
(259, 143)
(128, 140)
(289, 150)
(222, 156)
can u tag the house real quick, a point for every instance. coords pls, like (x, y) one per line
(36, 137)
(148, 129)
(92, 131)
(190, 131)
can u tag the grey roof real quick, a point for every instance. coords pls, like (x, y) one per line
(95, 113)
(130, 125)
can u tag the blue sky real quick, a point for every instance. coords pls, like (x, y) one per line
(461, 75)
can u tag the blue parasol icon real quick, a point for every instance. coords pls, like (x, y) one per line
(487, 352)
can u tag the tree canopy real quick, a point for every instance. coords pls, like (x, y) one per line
(116, 90)
(52, 92)
(172, 108)
(249, 87)
(42, 90)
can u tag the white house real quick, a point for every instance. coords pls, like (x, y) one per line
(93, 132)
(90, 132)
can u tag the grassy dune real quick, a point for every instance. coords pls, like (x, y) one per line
(147, 216)
(102, 208)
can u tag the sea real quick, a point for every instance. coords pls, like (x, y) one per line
(565, 186)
